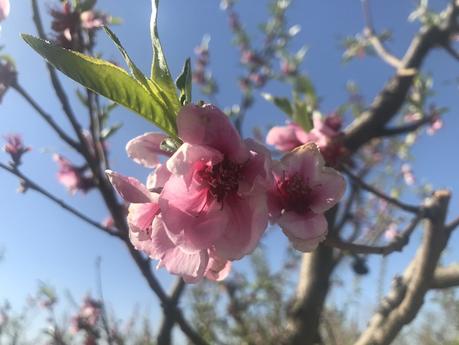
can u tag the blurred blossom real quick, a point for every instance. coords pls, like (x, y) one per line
(392, 232)
(4, 9)
(435, 125)
(91, 20)
(15, 148)
(65, 23)
(72, 177)
(8, 76)
(87, 318)
(408, 175)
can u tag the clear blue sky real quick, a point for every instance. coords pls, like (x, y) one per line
(43, 242)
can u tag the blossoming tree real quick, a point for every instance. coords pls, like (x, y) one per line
(211, 194)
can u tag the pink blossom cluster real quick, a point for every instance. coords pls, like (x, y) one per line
(68, 22)
(15, 148)
(87, 320)
(326, 134)
(72, 177)
(210, 201)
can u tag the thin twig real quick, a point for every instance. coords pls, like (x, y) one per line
(410, 127)
(104, 317)
(45, 116)
(396, 245)
(371, 189)
(373, 38)
(29, 184)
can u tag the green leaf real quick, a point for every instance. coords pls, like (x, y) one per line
(282, 103)
(183, 83)
(160, 73)
(302, 115)
(108, 80)
(136, 72)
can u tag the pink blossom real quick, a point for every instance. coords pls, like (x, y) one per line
(207, 204)
(91, 20)
(72, 177)
(392, 232)
(15, 148)
(4, 9)
(303, 190)
(88, 316)
(435, 125)
(144, 149)
(325, 133)
(408, 175)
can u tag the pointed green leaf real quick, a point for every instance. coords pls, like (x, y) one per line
(107, 80)
(302, 115)
(136, 72)
(281, 102)
(160, 73)
(183, 83)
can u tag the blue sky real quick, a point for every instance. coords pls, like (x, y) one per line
(43, 242)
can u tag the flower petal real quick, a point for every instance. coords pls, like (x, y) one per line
(328, 188)
(284, 138)
(190, 266)
(144, 149)
(305, 160)
(4, 9)
(217, 269)
(304, 231)
(207, 125)
(130, 189)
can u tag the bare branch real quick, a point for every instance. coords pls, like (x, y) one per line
(406, 298)
(35, 187)
(395, 245)
(389, 132)
(371, 189)
(45, 116)
(452, 225)
(446, 277)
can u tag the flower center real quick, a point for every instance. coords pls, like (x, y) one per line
(222, 178)
(296, 193)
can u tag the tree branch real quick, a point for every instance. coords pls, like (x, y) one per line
(407, 296)
(446, 277)
(389, 101)
(29, 184)
(371, 189)
(410, 127)
(395, 245)
(45, 116)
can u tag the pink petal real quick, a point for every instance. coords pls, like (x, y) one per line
(158, 178)
(304, 231)
(191, 221)
(248, 220)
(257, 171)
(145, 149)
(217, 269)
(190, 266)
(4, 9)
(329, 187)
(283, 138)
(305, 160)
(209, 126)
(130, 189)
(141, 216)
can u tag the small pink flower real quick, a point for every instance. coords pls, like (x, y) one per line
(325, 133)
(303, 190)
(91, 20)
(4, 9)
(88, 316)
(72, 177)
(392, 232)
(15, 148)
(435, 125)
(408, 175)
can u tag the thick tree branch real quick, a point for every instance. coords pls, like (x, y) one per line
(387, 104)
(405, 300)
(446, 277)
